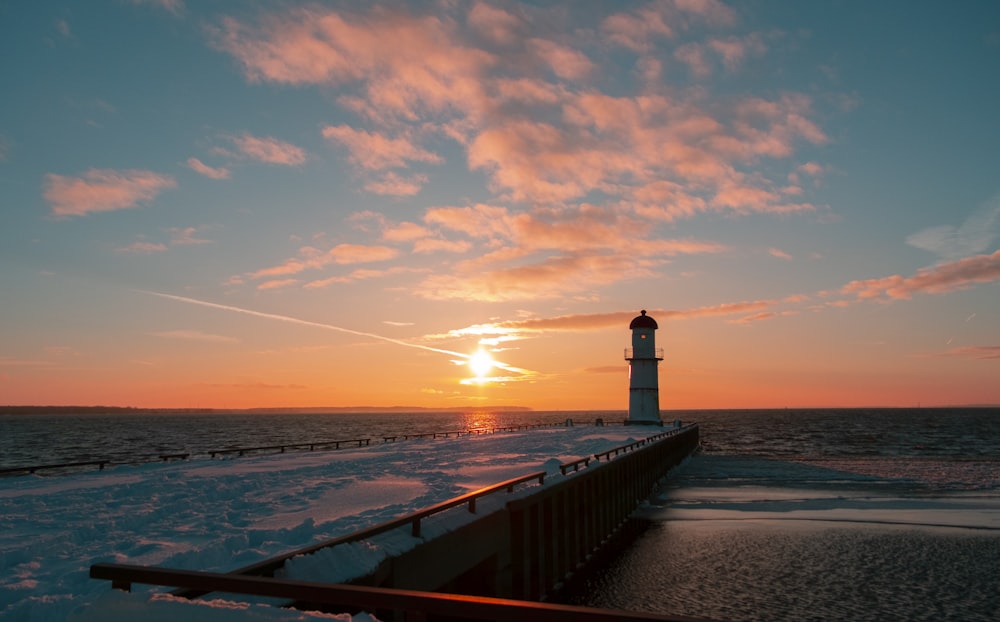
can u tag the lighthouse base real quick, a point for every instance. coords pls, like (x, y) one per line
(644, 422)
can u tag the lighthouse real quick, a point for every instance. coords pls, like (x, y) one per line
(643, 385)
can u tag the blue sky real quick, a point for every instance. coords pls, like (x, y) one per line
(254, 203)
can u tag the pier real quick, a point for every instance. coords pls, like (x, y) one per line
(503, 565)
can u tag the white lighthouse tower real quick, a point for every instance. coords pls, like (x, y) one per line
(643, 384)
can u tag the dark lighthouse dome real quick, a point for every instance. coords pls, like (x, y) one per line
(643, 321)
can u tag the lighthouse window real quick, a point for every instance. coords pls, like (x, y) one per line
(642, 336)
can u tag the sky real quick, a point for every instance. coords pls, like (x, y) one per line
(237, 204)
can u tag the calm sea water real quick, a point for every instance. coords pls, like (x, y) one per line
(821, 515)
(28, 440)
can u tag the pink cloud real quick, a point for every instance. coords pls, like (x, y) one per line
(103, 190)
(434, 78)
(357, 275)
(975, 352)
(756, 317)
(942, 278)
(201, 168)
(425, 67)
(694, 56)
(359, 253)
(373, 151)
(780, 254)
(186, 236)
(551, 278)
(277, 284)
(565, 62)
(636, 31)
(434, 245)
(394, 185)
(311, 258)
(734, 51)
(269, 150)
(600, 321)
(494, 23)
(404, 232)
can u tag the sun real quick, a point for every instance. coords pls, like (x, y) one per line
(481, 363)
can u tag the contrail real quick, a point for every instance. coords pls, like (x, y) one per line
(294, 320)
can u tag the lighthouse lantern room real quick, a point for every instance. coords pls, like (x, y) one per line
(643, 384)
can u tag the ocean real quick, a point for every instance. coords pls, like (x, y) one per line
(860, 514)
(835, 514)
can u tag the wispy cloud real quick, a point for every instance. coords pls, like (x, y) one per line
(374, 151)
(975, 352)
(269, 150)
(179, 236)
(311, 258)
(103, 190)
(201, 168)
(942, 278)
(975, 235)
(780, 254)
(394, 185)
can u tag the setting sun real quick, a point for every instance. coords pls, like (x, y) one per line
(481, 363)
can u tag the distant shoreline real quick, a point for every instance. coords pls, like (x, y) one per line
(131, 410)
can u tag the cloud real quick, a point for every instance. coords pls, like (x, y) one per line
(278, 284)
(269, 150)
(374, 151)
(186, 236)
(103, 190)
(565, 62)
(361, 274)
(537, 141)
(511, 330)
(311, 258)
(636, 31)
(179, 236)
(942, 278)
(201, 168)
(973, 236)
(393, 185)
(587, 179)
(975, 352)
(780, 254)
(494, 23)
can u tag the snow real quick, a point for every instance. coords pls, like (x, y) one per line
(219, 515)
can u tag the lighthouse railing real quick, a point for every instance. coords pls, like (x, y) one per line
(630, 354)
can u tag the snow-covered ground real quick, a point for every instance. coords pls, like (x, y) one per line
(218, 515)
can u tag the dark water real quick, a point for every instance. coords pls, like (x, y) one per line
(37, 439)
(821, 515)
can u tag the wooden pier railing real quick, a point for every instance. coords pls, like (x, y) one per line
(414, 605)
